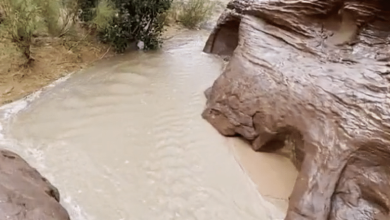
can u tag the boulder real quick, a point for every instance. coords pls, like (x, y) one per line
(25, 194)
(313, 75)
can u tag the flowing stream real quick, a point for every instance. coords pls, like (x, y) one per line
(125, 140)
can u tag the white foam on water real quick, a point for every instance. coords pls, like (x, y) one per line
(8, 110)
(34, 156)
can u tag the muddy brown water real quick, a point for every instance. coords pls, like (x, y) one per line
(125, 140)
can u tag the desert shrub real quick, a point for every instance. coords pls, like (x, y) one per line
(50, 13)
(103, 15)
(192, 13)
(136, 20)
(171, 16)
(68, 17)
(21, 18)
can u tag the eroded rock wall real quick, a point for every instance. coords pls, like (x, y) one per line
(312, 73)
(25, 194)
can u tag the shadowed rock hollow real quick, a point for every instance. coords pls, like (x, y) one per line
(25, 194)
(315, 75)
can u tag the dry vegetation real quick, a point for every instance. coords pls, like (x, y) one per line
(54, 58)
(191, 13)
(46, 41)
(34, 52)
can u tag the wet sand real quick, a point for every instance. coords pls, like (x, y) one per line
(273, 174)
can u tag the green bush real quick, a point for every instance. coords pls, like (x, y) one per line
(193, 12)
(136, 20)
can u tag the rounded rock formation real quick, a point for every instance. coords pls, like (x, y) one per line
(314, 74)
(25, 194)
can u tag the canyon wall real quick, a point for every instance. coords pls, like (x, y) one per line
(314, 76)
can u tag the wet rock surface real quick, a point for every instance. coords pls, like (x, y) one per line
(314, 76)
(24, 193)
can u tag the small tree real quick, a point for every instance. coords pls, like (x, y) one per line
(21, 18)
(137, 20)
(24, 18)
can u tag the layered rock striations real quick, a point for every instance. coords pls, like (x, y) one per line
(315, 75)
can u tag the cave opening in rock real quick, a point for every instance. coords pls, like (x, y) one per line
(224, 40)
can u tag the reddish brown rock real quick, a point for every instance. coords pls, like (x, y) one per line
(315, 74)
(25, 194)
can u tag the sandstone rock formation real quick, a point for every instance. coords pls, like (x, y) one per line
(25, 194)
(315, 75)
